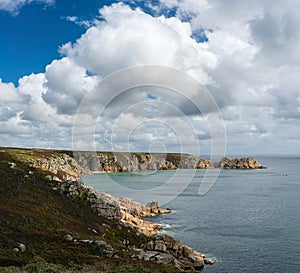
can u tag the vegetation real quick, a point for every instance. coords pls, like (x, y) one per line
(33, 213)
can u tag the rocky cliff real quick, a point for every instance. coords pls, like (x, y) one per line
(66, 165)
(60, 165)
(48, 216)
(46, 210)
(132, 162)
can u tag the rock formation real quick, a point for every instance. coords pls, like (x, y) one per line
(126, 210)
(132, 162)
(165, 249)
(62, 170)
(159, 249)
(123, 217)
(239, 163)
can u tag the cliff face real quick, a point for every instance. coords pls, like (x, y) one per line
(59, 164)
(133, 162)
(45, 216)
(126, 162)
(46, 211)
(47, 226)
(66, 165)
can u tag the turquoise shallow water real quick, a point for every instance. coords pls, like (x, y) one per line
(249, 221)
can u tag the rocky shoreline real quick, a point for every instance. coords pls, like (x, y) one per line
(160, 249)
(61, 172)
(133, 162)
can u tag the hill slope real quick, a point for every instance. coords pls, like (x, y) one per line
(44, 224)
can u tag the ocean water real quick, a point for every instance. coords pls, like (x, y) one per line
(249, 221)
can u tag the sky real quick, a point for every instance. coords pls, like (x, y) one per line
(71, 74)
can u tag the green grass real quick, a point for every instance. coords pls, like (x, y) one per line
(33, 214)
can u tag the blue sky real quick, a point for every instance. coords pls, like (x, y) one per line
(32, 37)
(53, 54)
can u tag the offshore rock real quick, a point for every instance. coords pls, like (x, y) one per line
(239, 163)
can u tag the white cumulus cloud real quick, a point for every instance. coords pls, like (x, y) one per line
(250, 63)
(127, 37)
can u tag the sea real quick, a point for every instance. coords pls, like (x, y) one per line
(246, 221)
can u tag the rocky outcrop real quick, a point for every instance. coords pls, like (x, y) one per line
(63, 171)
(160, 249)
(123, 162)
(126, 210)
(60, 165)
(165, 249)
(103, 203)
(239, 163)
(194, 162)
(106, 249)
(66, 165)
(123, 229)
(132, 162)
(136, 209)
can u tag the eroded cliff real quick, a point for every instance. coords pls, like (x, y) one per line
(133, 162)
(47, 215)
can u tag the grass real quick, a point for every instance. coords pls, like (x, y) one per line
(118, 267)
(34, 214)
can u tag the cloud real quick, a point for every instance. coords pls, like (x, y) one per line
(10, 100)
(78, 21)
(9, 93)
(14, 6)
(66, 84)
(35, 110)
(249, 62)
(277, 33)
(127, 37)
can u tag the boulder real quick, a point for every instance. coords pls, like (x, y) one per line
(68, 238)
(21, 247)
